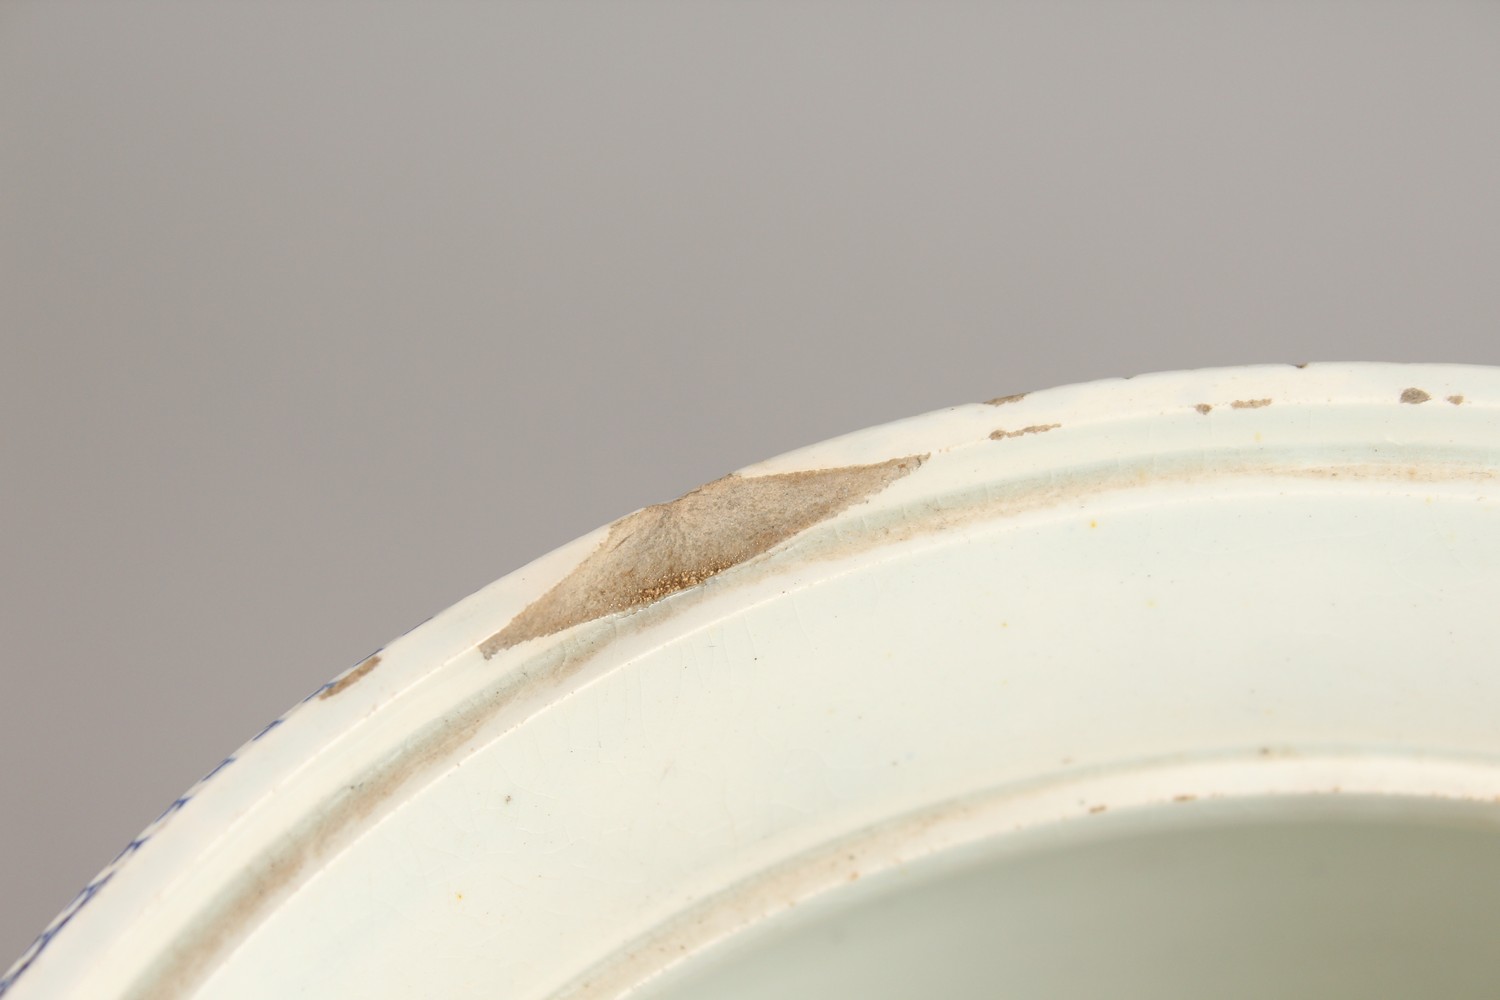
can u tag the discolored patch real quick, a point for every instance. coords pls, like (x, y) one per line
(668, 547)
(1414, 395)
(351, 678)
(999, 435)
(1204, 407)
(1456, 400)
(1250, 404)
(1002, 400)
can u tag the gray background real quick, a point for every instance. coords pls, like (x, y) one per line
(319, 316)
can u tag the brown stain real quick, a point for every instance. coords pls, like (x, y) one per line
(1414, 396)
(1412, 473)
(1250, 404)
(1002, 400)
(1096, 810)
(1000, 435)
(1183, 798)
(1204, 407)
(242, 902)
(350, 678)
(1456, 400)
(668, 547)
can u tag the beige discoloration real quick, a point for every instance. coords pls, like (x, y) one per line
(1456, 400)
(1414, 395)
(1376, 471)
(1001, 435)
(1250, 404)
(669, 547)
(1002, 400)
(1204, 408)
(351, 678)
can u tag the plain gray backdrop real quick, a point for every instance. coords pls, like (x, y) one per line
(318, 316)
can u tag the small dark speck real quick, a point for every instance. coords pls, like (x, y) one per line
(507, 798)
(1414, 395)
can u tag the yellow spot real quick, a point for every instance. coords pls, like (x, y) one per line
(1093, 524)
(459, 895)
(1151, 602)
(1257, 436)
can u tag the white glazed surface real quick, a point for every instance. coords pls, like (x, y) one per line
(1185, 587)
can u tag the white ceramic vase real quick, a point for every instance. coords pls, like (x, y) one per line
(1176, 686)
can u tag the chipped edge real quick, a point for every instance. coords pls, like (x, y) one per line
(1014, 397)
(666, 548)
(350, 678)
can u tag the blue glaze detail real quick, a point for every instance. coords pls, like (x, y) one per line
(268, 727)
(319, 691)
(37, 946)
(92, 889)
(219, 767)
